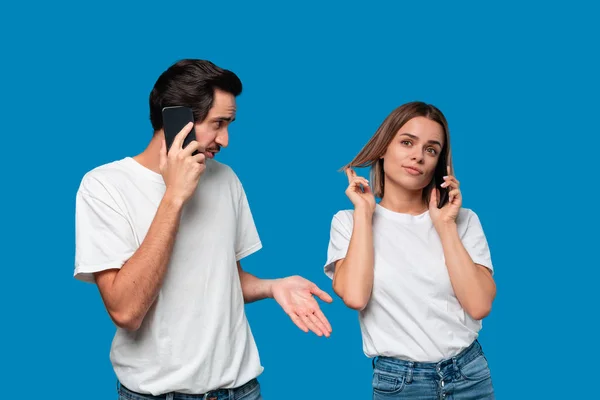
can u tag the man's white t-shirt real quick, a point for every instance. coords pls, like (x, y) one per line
(413, 313)
(195, 337)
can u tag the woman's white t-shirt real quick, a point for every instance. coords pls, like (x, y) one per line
(413, 313)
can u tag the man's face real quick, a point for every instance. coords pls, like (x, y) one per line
(212, 133)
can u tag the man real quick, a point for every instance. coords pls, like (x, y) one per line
(162, 236)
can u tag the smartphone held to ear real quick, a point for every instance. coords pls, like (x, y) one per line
(175, 118)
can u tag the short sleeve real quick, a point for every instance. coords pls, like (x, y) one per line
(104, 238)
(247, 240)
(476, 243)
(339, 240)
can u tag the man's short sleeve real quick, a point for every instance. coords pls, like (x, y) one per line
(247, 240)
(476, 243)
(104, 238)
(339, 240)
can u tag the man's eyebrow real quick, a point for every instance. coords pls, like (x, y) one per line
(410, 135)
(226, 119)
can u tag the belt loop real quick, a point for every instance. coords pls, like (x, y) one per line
(411, 366)
(455, 368)
(374, 361)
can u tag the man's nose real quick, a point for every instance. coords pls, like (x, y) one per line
(223, 138)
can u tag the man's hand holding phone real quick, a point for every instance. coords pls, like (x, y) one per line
(180, 169)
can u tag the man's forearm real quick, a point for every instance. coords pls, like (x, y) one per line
(254, 288)
(136, 285)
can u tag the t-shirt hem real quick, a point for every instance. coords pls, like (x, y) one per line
(486, 264)
(252, 249)
(329, 268)
(85, 273)
(425, 358)
(135, 384)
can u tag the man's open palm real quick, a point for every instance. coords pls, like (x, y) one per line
(295, 295)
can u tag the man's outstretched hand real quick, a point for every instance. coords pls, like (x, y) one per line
(295, 295)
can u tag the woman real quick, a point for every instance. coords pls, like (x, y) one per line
(417, 266)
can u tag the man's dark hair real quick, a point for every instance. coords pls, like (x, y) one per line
(190, 83)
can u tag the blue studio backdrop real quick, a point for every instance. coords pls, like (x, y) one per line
(518, 84)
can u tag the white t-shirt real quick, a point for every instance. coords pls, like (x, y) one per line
(413, 313)
(195, 337)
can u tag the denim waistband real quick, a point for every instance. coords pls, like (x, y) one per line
(394, 365)
(234, 393)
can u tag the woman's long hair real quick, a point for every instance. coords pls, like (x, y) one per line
(371, 153)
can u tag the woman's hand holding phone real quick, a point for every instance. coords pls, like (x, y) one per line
(449, 212)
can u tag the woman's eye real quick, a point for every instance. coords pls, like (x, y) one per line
(432, 150)
(406, 142)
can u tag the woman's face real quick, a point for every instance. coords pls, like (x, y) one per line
(413, 154)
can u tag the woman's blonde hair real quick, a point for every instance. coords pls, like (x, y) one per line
(371, 153)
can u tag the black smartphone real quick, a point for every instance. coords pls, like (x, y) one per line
(439, 174)
(174, 119)
(444, 198)
(441, 170)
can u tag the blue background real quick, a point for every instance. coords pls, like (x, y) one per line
(518, 84)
